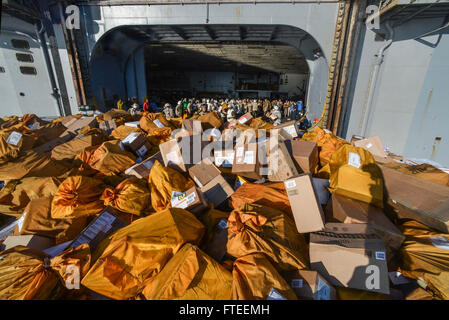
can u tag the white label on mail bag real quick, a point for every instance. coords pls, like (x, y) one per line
(296, 283)
(130, 138)
(440, 242)
(290, 184)
(380, 255)
(249, 157)
(142, 151)
(369, 145)
(158, 123)
(323, 290)
(14, 138)
(172, 157)
(354, 160)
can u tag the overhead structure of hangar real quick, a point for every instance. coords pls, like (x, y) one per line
(171, 62)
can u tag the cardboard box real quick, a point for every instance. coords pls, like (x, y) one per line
(142, 169)
(192, 200)
(101, 227)
(192, 126)
(182, 160)
(203, 172)
(350, 255)
(217, 247)
(280, 164)
(356, 138)
(171, 154)
(373, 145)
(68, 120)
(134, 124)
(345, 210)
(309, 285)
(108, 125)
(31, 241)
(137, 143)
(217, 190)
(287, 130)
(245, 119)
(320, 186)
(307, 211)
(305, 154)
(418, 199)
(246, 161)
(75, 125)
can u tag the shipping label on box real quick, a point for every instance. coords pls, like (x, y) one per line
(246, 162)
(245, 118)
(192, 200)
(104, 224)
(182, 200)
